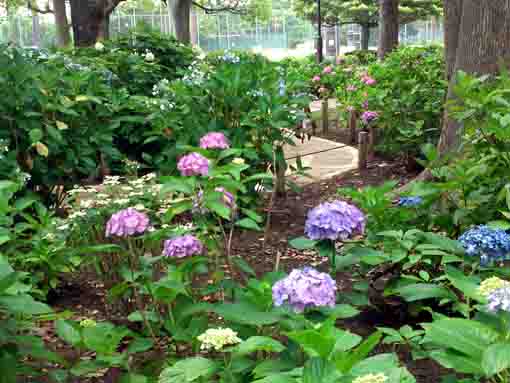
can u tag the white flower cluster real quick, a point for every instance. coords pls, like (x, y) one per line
(194, 74)
(99, 46)
(371, 378)
(149, 56)
(217, 338)
(162, 87)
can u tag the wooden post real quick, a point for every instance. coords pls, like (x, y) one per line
(362, 150)
(280, 181)
(325, 116)
(371, 142)
(352, 125)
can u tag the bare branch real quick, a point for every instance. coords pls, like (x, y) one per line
(232, 9)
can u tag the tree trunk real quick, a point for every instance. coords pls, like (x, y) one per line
(482, 42)
(453, 14)
(365, 36)
(181, 14)
(91, 21)
(62, 25)
(389, 27)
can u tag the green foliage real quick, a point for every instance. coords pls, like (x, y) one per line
(408, 96)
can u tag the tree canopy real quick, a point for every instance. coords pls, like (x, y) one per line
(365, 12)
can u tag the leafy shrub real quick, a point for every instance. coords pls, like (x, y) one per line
(408, 96)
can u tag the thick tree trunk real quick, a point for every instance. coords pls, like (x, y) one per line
(482, 42)
(181, 14)
(90, 21)
(389, 27)
(365, 36)
(62, 25)
(453, 15)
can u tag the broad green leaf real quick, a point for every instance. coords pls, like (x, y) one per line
(248, 223)
(302, 243)
(243, 313)
(188, 370)
(24, 304)
(68, 331)
(465, 336)
(259, 343)
(496, 358)
(419, 291)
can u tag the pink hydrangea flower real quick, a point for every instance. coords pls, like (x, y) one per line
(193, 164)
(327, 69)
(214, 140)
(126, 223)
(322, 90)
(316, 78)
(366, 79)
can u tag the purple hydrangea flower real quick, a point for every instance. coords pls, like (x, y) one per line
(499, 300)
(364, 104)
(228, 198)
(487, 243)
(305, 288)
(368, 116)
(193, 164)
(127, 222)
(183, 246)
(334, 220)
(214, 140)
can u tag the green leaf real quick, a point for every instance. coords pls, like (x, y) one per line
(24, 304)
(244, 313)
(188, 370)
(302, 243)
(259, 343)
(341, 311)
(496, 358)
(419, 291)
(219, 208)
(465, 336)
(68, 331)
(318, 370)
(248, 223)
(140, 345)
(243, 265)
(133, 378)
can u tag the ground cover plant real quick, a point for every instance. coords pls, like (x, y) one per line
(150, 172)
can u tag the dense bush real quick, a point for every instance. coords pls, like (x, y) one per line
(407, 94)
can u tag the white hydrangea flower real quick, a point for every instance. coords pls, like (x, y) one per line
(99, 46)
(371, 378)
(149, 56)
(238, 161)
(217, 338)
(491, 284)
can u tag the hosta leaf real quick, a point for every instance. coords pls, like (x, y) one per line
(259, 343)
(496, 358)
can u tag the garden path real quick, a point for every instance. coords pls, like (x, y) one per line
(323, 158)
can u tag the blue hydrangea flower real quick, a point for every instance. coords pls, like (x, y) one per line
(334, 220)
(230, 57)
(305, 288)
(487, 243)
(499, 300)
(410, 201)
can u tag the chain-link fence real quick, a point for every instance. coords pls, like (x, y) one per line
(279, 37)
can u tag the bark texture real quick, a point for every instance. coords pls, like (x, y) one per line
(62, 24)
(91, 20)
(181, 13)
(477, 44)
(389, 27)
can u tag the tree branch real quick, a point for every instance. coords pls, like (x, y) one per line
(231, 9)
